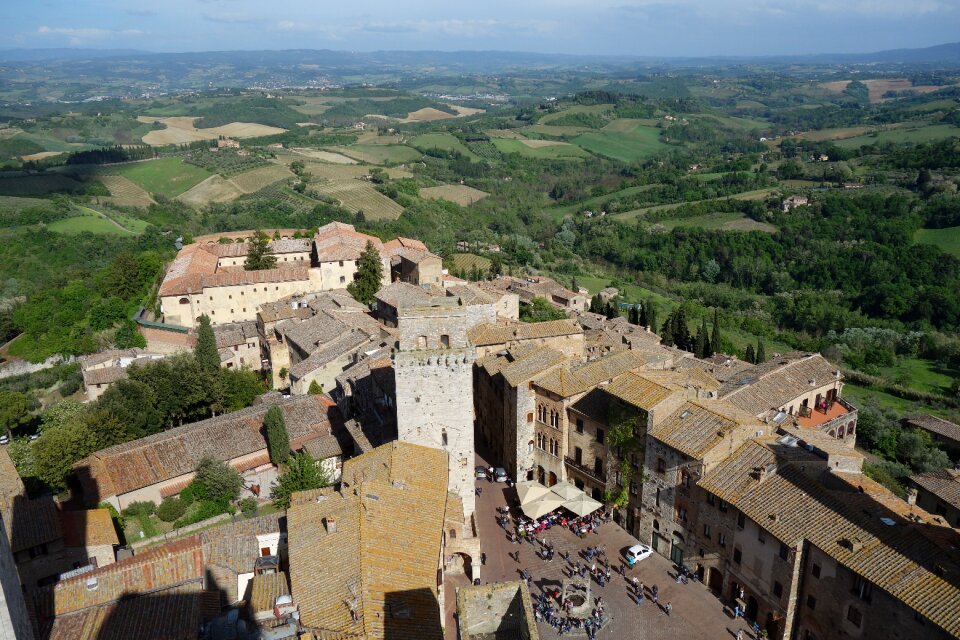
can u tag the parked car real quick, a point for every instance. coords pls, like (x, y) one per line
(4, 439)
(638, 552)
(500, 475)
(481, 472)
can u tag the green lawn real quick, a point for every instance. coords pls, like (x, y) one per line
(90, 221)
(552, 152)
(445, 141)
(917, 134)
(947, 239)
(922, 375)
(167, 176)
(637, 142)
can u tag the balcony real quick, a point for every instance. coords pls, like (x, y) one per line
(839, 413)
(590, 472)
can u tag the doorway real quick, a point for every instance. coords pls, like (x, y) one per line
(715, 580)
(752, 608)
(676, 553)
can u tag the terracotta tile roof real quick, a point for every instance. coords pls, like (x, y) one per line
(566, 383)
(30, 523)
(171, 614)
(104, 375)
(235, 333)
(234, 546)
(164, 567)
(335, 300)
(184, 274)
(265, 590)
(403, 243)
(394, 498)
(776, 383)
(416, 256)
(719, 366)
(88, 528)
(402, 294)
(342, 345)
(489, 334)
(224, 278)
(700, 425)
(901, 558)
(114, 354)
(283, 310)
(640, 389)
(324, 447)
(943, 483)
(339, 241)
(935, 425)
(471, 295)
(529, 365)
(277, 247)
(166, 455)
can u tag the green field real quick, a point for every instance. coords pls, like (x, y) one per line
(638, 142)
(466, 261)
(757, 194)
(167, 176)
(445, 141)
(591, 204)
(13, 203)
(947, 239)
(922, 375)
(918, 134)
(552, 152)
(593, 108)
(379, 153)
(727, 221)
(89, 220)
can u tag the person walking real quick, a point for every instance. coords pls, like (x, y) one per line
(483, 558)
(740, 634)
(668, 608)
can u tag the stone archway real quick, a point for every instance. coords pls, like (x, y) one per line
(460, 563)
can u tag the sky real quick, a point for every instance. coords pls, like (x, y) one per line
(604, 27)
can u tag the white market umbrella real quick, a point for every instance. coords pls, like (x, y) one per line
(541, 507)
(530, 490)
(582, 505)
(566, 490)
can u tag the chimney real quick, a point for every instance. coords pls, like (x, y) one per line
(331, 523)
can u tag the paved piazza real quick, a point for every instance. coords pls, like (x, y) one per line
(696, 613)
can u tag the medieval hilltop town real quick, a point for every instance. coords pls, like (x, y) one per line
(444, 427)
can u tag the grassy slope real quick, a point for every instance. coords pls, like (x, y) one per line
(593, 203)
(947, 239)
(553, 152)
(919, 134)
(636, 143)
(441, 140)
(167, 176)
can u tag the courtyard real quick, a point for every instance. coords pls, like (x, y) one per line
(696, 612)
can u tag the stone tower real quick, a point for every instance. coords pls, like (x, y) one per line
(14, 621)
(433, 368)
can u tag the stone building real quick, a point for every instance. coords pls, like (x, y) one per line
(433, 366)
(412, 262)
(530, 287)
(938, 492)
(102, 369)
(371, 559)
(239, 345)
(943, 432)
(231, 552)
(564, 336)
(162, 464)
(502, 609)
(810, 552)
(15, 621)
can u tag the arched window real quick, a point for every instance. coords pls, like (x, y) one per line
(184, 300)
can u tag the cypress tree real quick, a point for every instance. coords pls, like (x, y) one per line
(761, 353)
(258, 255)
(666, 333)
(369, 275)
(715, 336)
(699, 343)
(278, 440)
(749, 356)
(595, 305)
(651, 313)
(703, 344)
(611, 310)
(206, 352)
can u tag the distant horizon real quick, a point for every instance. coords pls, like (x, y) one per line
(635, 56)
(632, 28)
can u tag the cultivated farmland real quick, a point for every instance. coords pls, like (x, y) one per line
(631, 142)
(444, 141)
(180, 130)
(213, 189)
(459, 193)
(167, 176)
(125, 193)
(259, 178)
(549, 152)
(358, 195)
(379, 153)
(466, 262)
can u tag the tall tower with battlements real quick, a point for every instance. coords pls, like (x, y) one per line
(433, 368)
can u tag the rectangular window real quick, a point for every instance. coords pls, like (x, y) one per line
(784, 551)
(761, 538)
(706, 531)
(737, 556)
(578, 455)
(722, 539)
(579, 425)
(600, 436)
(661, 465)
(811, 603)
(633, 491)
(862, 589)
(711, 500)
(741, 520)
(530, 417)
(777, 589)
(854, 616)
(722, 506)
(816, 571)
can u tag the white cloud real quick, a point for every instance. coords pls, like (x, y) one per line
(229, 18)
(81, 35)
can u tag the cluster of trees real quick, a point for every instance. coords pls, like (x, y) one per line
(540, 310)
(111, 155)
(155, 396)
(904, 451)
(369, 276)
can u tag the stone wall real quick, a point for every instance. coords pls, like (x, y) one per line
(14, 620)
(503, 609)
